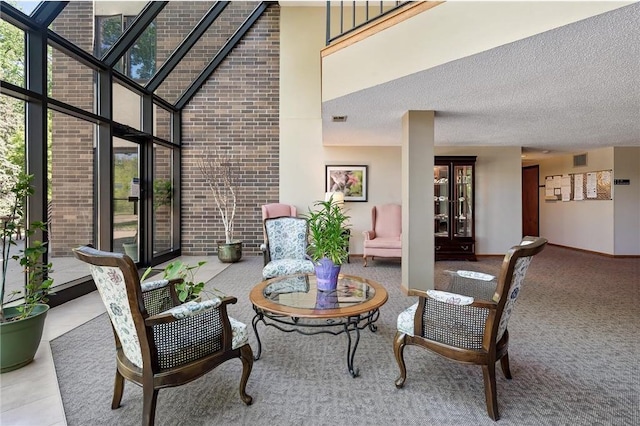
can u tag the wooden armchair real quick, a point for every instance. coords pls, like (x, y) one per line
(468, 322)
(159, 341)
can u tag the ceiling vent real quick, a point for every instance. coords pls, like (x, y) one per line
(579, 160)
(339, 118)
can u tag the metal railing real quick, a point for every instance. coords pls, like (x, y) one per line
(355, 14)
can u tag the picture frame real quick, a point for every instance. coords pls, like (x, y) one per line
(350, 180)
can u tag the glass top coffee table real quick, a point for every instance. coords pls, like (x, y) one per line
(293, 303)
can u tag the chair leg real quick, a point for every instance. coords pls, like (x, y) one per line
(504, 363)
(364, 260)
(118, 389)
(489, 374)
(246, 355)
(149, 399)
(398, 351)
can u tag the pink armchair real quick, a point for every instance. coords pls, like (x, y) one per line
(385, 239)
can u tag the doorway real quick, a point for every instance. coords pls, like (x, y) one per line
(530, 201)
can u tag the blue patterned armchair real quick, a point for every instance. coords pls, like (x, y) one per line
(467, 321)
(285, 249)
(161, 342)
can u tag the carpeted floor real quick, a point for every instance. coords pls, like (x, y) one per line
(574, 356)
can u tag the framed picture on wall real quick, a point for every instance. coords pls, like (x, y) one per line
(350, 180)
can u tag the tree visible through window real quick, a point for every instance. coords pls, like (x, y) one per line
(139, 62)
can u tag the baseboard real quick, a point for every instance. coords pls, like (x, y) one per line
(613, 256)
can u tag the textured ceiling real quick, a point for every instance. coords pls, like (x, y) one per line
(569, 89)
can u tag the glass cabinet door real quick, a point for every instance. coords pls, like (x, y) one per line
(441, 199)
(462, 200)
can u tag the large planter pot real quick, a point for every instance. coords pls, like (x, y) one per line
(21, 338)
(131, 250)
(327, 274)
(230, 252)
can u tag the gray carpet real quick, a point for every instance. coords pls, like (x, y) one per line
(574, 357)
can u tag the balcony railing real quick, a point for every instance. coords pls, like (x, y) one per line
(345, 17)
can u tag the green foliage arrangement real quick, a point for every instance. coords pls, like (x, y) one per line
(188, 288)
(328, 236)
(37, 283)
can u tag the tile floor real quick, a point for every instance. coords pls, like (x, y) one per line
(30, 396)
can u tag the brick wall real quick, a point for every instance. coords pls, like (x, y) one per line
(238, 107)
(71, 221)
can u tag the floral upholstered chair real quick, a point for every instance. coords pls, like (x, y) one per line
(285, 250)
(468, 321)
(159, 341)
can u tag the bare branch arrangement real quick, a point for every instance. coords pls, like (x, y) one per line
(218, 169)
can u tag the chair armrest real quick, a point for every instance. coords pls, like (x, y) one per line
(369, 235)
(266, 256)
(187, 310)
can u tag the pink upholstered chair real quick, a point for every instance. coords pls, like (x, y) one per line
(270, 211)
(385, 239)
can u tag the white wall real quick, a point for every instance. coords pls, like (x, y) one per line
(626, 201)
(588, 224)
(303, 157)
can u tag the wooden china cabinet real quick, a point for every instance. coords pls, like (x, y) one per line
(454, 184)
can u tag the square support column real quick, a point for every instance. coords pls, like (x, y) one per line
(417, 201)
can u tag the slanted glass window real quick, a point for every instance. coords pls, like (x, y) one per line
(139, 63)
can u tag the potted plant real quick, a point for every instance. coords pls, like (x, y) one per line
(188, 289)
(130, 248)
(22, 322)
(328, 241)
(220, 173)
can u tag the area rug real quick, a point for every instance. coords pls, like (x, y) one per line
(574, 352)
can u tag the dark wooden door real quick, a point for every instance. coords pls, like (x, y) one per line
(530, 201)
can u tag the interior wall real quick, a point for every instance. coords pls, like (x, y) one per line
(626, 201)
(586, 225)
(303, 157)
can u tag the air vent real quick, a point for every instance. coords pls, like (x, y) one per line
(339, 118)
(580, 160)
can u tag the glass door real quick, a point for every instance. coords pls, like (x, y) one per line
(126, 197)
(441, 199)
(462, 200)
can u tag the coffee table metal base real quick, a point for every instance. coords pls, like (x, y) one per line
(348, 325)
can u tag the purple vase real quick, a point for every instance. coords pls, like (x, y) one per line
(327, 300)
(327, 274)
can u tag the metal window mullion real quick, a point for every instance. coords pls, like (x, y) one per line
(103, 210)
(176, 138)
(221, 55)
(183, 48)
(36, 131)
(146, 181)
(47, 12)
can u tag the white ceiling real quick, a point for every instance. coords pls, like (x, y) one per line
(569, 89)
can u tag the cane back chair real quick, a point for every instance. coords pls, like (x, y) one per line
(468, 322)
(160, 342)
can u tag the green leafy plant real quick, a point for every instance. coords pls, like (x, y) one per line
(188, 289)
(328, 232)
(37, 283)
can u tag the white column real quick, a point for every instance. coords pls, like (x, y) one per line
(417, 201)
